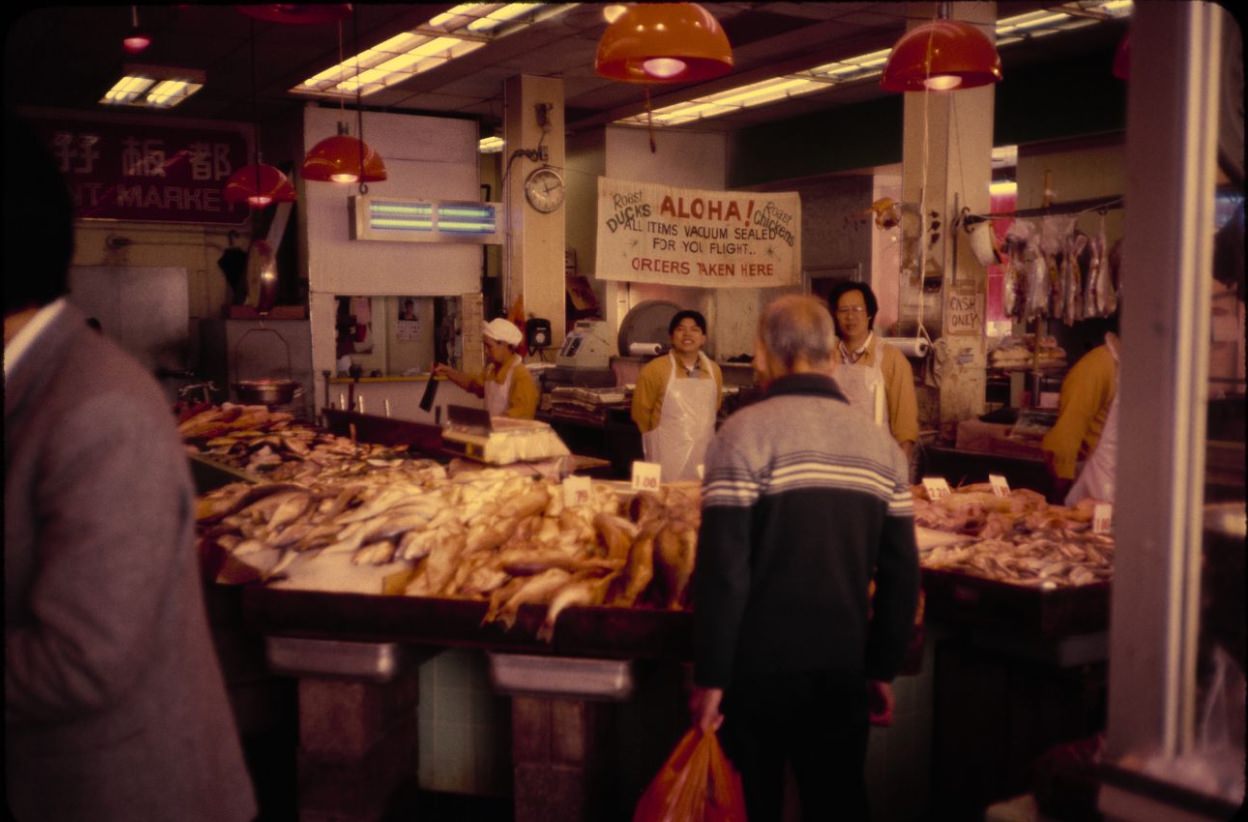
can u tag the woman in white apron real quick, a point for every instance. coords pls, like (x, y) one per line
(686, 423)
(1096, 480)
(517, 394)
(863, 386)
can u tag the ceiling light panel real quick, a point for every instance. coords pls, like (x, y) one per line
(456, 32)
(861, 67)
(153, 87)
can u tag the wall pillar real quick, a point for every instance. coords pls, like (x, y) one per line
(947, 165)
(533, 253)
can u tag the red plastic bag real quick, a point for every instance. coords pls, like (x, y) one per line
(697, 783)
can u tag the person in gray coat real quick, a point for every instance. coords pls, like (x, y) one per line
(115, 707)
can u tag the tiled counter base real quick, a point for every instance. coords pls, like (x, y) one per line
(357, 744)
(357, 724)
(560, 749)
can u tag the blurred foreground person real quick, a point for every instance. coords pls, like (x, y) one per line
(115, 708)
(804, 503)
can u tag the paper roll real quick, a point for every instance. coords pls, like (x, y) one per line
(910, 346)
(644, 349)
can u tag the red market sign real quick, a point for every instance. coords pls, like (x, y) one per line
(147, 172)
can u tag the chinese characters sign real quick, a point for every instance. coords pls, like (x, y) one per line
(159, 173)
(712, 239)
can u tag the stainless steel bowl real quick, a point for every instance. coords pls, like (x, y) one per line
(266, 392)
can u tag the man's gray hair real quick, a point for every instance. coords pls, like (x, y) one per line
(798, 326)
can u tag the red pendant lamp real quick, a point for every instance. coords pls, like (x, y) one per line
(257, 184)
(137, 39)
(940, 56)
(658, 43)
(340, 159)
(343, 158)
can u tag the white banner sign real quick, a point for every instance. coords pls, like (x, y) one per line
(711, 239)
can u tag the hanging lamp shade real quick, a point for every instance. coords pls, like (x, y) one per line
(1122, 58)
(663, 43)
(259, 185)
(942, 55)
(337, 160)
(298, 13)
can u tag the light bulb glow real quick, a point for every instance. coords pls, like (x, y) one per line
(943, 82)
(135, 42)
(663, 67)
(344, 178)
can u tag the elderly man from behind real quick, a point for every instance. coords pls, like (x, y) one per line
(798, 518)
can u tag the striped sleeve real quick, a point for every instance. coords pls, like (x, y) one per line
(729, 482)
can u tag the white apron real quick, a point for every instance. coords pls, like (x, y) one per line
(1096, 480)
(863, 386)
(686, 424)
(498, 394)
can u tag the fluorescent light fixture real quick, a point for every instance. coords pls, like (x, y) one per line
(153, 87)
(861, 67)
(456, 32)
(1005, 156)
(490, 145)
(424, 221)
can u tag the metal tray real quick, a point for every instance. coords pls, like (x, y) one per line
(298, 656)
(552, 676)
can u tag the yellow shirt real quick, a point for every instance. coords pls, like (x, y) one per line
(652, 385)
(903, 405)
(1087, 391)
(522, 401)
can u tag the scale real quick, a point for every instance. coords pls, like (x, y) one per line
(587, 345)
(473, 434)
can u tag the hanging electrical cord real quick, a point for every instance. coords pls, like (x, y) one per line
(359, 106)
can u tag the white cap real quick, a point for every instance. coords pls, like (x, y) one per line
(503, 331)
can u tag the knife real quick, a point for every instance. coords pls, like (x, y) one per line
(431, 390)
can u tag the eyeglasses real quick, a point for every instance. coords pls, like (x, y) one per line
(853, 309)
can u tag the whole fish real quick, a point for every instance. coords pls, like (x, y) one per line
(1072, 308)
(1038, 287)
(1091, 293)
(586, 591)
(536, 589)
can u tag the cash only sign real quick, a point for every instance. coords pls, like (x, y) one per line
(710, 239)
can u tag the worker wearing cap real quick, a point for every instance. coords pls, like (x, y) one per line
(508, 387)
(676, 400)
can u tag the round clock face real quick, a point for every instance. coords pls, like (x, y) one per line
(544, 189)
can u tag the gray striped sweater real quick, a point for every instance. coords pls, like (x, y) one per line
(804, 502)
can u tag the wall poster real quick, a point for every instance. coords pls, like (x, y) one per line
(689, 237)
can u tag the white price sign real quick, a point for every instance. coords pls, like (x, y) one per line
(1102, 518)
(1000, 487)
(576, 491)
(937, 487)
(647, 476)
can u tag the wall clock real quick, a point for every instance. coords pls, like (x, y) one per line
(544, 189)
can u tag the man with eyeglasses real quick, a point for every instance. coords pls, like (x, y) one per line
(869, 367)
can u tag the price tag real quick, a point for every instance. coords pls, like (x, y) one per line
(937, 487)
(576, 491)
(1102, 518)
(1000, 487)
(647, 476)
